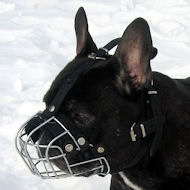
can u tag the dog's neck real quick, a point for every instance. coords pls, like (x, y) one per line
(151, 169)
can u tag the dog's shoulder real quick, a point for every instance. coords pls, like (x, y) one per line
(176, 88)
(175, 100)
(184, 86)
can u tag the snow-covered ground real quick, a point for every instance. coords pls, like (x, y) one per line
(37, 39)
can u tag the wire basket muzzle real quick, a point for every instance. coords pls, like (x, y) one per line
(48, 148)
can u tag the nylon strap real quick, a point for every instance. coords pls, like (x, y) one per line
(152, 126)
(159, 123)
(112, 44)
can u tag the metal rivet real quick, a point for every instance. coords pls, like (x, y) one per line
(69, 147)
(52, 108)
(100, 149)
(81, 141)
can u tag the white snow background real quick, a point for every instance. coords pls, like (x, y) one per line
(37, 39)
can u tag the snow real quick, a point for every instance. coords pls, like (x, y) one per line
(37, 39)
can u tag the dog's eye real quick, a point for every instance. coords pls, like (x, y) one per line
(70, 106)
(79, 113)
(82, 119)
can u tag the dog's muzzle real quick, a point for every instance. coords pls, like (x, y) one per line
(50, 146)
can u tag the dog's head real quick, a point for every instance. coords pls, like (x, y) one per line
(108, 98)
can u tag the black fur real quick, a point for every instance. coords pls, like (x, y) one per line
(111, 96)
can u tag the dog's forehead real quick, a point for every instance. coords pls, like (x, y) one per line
(60, 79)
(90, 84)
(88, 79)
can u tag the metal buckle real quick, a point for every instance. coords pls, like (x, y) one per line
(152, 92)
(143, 130)
(94, 57)
(132, 132)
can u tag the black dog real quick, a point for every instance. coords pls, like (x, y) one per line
(107, 99)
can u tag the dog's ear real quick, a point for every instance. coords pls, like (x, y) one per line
(154, 52)
(134, 53)
(85, 43)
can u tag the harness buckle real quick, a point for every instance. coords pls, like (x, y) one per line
(150, 92)
(92, 56)
(95, 57)
(134, 135)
